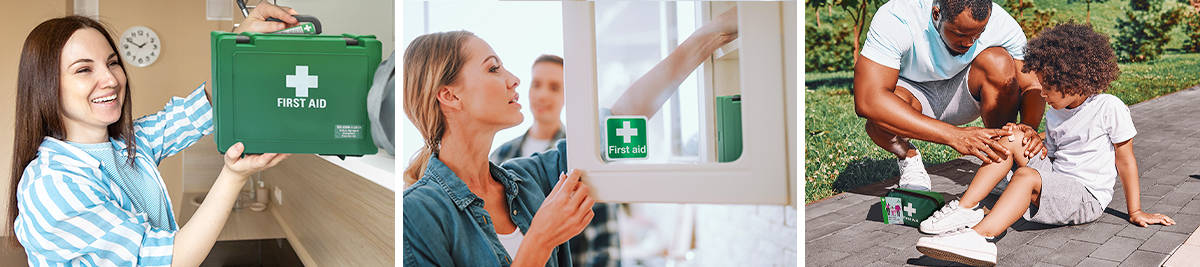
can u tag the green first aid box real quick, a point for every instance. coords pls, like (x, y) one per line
(909, 207)
(729, 128)
(287, 93)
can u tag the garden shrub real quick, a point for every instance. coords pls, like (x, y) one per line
(1191, 28)
(1031, 18)
(1144, 30)
(829, 48)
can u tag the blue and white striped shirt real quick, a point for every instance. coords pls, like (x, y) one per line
(71, 214)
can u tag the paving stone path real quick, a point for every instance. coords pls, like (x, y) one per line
(846, 230)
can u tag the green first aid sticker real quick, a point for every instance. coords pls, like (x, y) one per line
(626, 137)
(303, 28)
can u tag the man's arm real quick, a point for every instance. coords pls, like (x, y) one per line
(1033, 108)
(875, 100)
(1127, 170)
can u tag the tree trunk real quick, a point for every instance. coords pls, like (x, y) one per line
(1088, 17)
(858, 25)
(1020, 11)
(818, 17)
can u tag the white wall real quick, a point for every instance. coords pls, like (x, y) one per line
(519, 32)
(740, 235)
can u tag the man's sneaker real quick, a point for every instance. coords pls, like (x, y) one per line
(913, 174)
(963, 246)
(952, 217)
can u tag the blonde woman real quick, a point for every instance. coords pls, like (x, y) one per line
(461, 210)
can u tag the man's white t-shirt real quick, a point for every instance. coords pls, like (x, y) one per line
(1081, 142)
(902, 36)
(534, 145)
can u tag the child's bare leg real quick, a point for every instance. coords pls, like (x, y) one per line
(990, 174)
(1025, 187)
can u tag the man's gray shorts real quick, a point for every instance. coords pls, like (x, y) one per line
(1063, 200)
(949, 101)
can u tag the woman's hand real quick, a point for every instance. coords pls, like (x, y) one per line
(1143, 219)
(196, 238)
(256, 21)
(724, 26)
(245, 166)
(564, 214)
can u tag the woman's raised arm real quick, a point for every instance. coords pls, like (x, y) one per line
(646, 95)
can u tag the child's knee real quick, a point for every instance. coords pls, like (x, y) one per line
(1013, 142)
(1026, 175)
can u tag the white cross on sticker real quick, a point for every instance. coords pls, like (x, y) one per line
(301, 81)
(627, 132)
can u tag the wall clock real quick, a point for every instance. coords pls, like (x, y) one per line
(140, 46)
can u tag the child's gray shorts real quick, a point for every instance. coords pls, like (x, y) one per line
(949, 101)
(1063, 200)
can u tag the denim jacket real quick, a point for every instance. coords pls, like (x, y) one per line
(446, 225)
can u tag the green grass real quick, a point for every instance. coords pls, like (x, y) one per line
(840, 157)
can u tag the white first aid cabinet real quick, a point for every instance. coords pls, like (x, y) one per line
(606, 48)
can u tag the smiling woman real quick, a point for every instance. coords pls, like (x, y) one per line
(85, 182)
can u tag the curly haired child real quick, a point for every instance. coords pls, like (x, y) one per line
(1089, 139)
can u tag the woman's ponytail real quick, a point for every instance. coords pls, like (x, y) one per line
(431, 62)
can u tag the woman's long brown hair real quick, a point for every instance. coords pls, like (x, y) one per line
(39, 107)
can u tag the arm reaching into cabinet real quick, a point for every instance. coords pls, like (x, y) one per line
(646, 95)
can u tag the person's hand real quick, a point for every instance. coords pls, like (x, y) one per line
(257, 20)
(1032, 141)
(1143, 219)
(564, 213)
(245, 166)
(979, 142)
(724, 26)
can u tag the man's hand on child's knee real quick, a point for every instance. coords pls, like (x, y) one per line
(1030, 141)
(1013, 143)
(1143, 219)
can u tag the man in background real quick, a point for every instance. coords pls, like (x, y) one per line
(598, 244)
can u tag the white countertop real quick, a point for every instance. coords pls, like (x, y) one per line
(379, 168)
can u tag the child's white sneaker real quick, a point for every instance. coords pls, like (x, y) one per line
(913, 174)
(963, 246)
(952, 217)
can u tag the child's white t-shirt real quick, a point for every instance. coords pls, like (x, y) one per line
(902, 36)
(1081, 142)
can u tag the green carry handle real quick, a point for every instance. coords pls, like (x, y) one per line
(934, 195)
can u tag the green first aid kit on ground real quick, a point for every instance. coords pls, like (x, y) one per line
(909, 207)
(293, 93)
